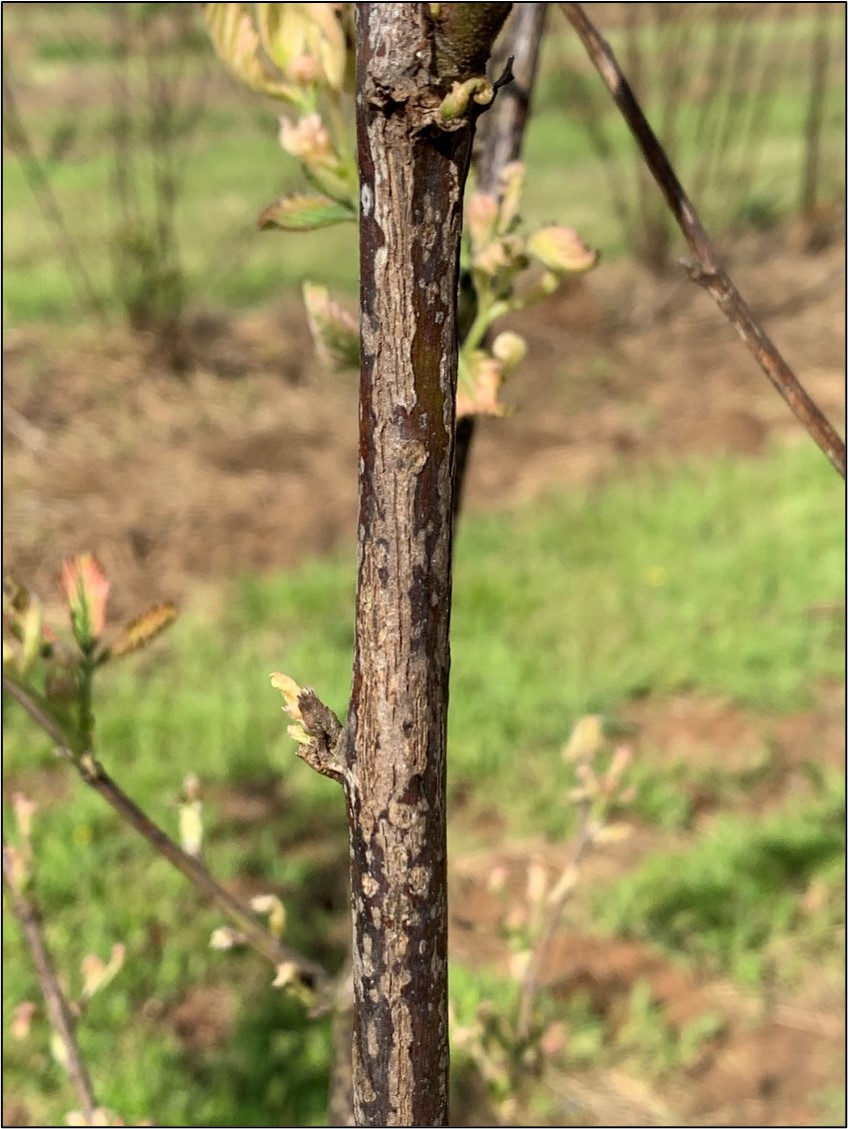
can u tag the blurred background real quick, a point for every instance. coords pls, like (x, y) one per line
(649, 537)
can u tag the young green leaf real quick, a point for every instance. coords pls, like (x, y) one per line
(304, 213)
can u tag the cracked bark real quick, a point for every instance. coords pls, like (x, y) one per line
(413, 167)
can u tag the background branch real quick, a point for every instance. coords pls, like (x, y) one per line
(705, 270)
(499, 138)
(58, 1010)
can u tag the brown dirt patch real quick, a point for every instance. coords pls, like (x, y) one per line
(725, 748)
(205, 1018)
(249, 463)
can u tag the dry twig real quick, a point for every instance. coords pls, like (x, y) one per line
(705, 269)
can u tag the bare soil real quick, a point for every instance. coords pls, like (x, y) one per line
(249, 463)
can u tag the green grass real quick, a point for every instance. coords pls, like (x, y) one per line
(695, 577)
(734, 898)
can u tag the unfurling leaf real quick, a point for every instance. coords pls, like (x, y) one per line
(59, 1050)
(236, 41)
(586, 739)
(22, 1020)
(480, 381)
(99, 1116)
(561, 250)
(191, 817)
(621, 758)
(274, 908)
(519, 964)
(481, 218)
(143, 629)
(537, 883)
(613, 833)
(334, 331)
(510, 185)
(23, 616)
(16, 866)
(224, 938)
(501, 259)
(24, 809)
(291, 693)
(304, 213)
(306, 41)
(96, 974)
(288, 976)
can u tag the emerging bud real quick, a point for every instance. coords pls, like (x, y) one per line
(585, 741)
(224, 938)
(191, 817)
(308, 141)
(481, 217)
(519, 963)
(287, 974)
(303, 69)
(24, 809)
(511, 185)
(274, 908)
(96, 974)
(22, 1020)
(510, 350)
(537, 883)
(86, 590)
(291, 692)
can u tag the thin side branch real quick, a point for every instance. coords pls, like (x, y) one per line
(58, 1009)
(96, 777)
(562, 893)
(706, 270)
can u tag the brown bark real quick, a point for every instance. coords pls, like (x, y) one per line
(413, 167)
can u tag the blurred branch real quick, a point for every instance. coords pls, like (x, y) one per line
(705, 270)
(96, 777)
(501, 129)
(14, 132)
(500, 136)
(815, 112)
(58, 1010)
(586, 838)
